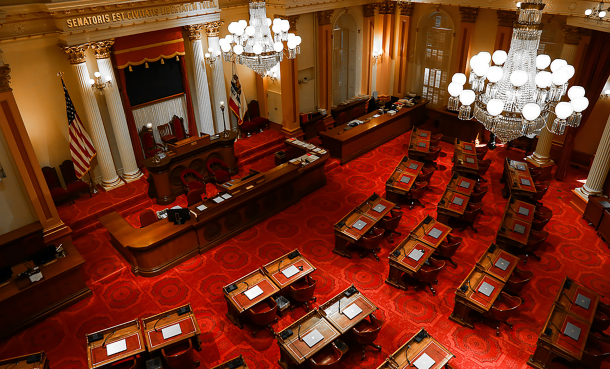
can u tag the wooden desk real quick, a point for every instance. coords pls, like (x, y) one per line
(518, 181)
(345, 232)
(349, 107)
(412, 350)
(238, 363)
(330, 309)
(294, 148)
(468, 148)
(595, 210)
(464, 163)
(164, 177)
(517, 213)
(489, 263)
(273, 270)
(447, 121)
(451, 205)
(239, 185)
(423, 229)
(419, 143)
(20, 362)
(347, 145)
(130, 332)
(461, 184)
(400, 262)
(238, 302)
(294, 351)
(153, 329)
(566, 300)
(402, 178)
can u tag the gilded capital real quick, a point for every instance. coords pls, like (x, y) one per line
(506, 18)
(469, 15)
(324, 17)
(406, 9)
(387, 7)
(5, 78)
(571, 35)
(76, 54)
(101, 49)
(293, 19)
(212, 28)
(194, 31)
(369, 9)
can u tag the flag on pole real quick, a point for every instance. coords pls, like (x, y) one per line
(237, 103)
(81, 148)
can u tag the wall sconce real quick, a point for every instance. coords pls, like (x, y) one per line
(605, 95)
(376, 56)
(272, 73)
(211, 57)
(98, 85)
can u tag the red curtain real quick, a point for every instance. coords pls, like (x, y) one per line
(148, 47)
(594, 74)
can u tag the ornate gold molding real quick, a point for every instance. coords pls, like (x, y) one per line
(293, 19)
(324, 17)
(194, 31)
(469, 15)
(76, 54)
(387, 7)
(506, 18)
(5, 78)
(369, 9)
(572, 35)
(406, 9)
(101, 49)
(212, 28)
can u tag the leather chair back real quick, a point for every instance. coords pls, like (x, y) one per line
(505, 307)
(478, 194)
(535, 173)
(391, 222)
(543, 212)
(179, 355)
(194, 197)
(483, 166)
(481, 152)
(518, 280)
(342, 118)
(435, 152)
(165, 132)
(425, 177)
(68, 172)
(191, 179)
(538, 225)
(429, 273)
(264, 312)
(329, 357)
(470, 216)
(448, 249)
(147, 217)
(367, 332)
(474, 206)
(372, 239)
(541, 190)
(596, 351)
(436, 137)
(601, 320)
(418, 189)
(178, 125)
(218, 170)
(51, 177)
(304, 291)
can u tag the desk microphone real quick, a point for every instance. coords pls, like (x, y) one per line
(299, 333)
(339, 305)
(247, 286)
(158, 320)
(108, 336)
(407, 354)
(569, 299)
(279, 265)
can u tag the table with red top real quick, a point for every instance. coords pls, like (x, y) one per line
(237, 300)
(419, 144)
(465, 159)
(20, 362)
(368, 213)
(518, 181)
(274, 269)
(402, 178)
(516, 223)
(403, 260)
(129, 332)
(184, 316)
(424, 231)
(420, 344)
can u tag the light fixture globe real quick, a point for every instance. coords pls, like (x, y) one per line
(481, 68)
(563, 110)
(557, 64)
(560, 77)
(580, 104)
(494, 74)
(485, 57)
(467, 97)
(543, 79)
(459, 78)
(518, 78)
(543, 61)
(495, 107)
(575, 92)
(455, 89)
(499, 57)
(531, 111)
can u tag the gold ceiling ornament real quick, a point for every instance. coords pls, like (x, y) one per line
(572, 35)
(212, 28)
(406, 8)
(469, 15)
(101, 49)
(387, 7)
(324, 17)
(369, 9)
(506, 18)
(5, 78)
(76, 54)
(194, 31)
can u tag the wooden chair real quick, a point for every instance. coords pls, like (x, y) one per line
(149, 145)
(481, 152)
(469, 217)
(178, 128)
(58, 193)
(432, 156)
(342, 118)
(180, 355)
(263, 315)
(543, 212)
(425, 176)
(535, 173)
(541, 190)
(517, 281)
(448, 248)
(533, 243)
(147, 217)
(370, 242)
(302, 291)
(503, 309)
(195, 196)
(255, 115)
(366, 332)
(416, 193)
(597, 350)
(74, 186)
(166, 134)
(478, 193)
(248, 128)
(320, 127)
(191, 180)
(436, 137)
(538, 224)
(601, 320)
(358, 111)
(218, 170)
(483, 167)
(428, 274)
(329, 357)
(390, 223)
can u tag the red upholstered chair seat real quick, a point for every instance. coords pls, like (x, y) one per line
(218, 170)
(263, 314)
(180, 355)
(147, 217)
(191, 180)
(222, 176)
(303, 291)
(58, 192)
(518, 280)
(194, 196)
(260, 122)
(78, 186)
(601, 321)
(328, 357)
(248, 127)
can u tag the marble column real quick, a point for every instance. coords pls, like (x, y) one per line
(218, 77)
(131, 172)
(325, 33)
(384, 80)
(205, 119)
(542, 154)
(599, 168)
(368, 39)
(404, 24)
(289, 77)
(464, 38)
(110, 179)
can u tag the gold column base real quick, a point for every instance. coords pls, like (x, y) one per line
(546, 165)
(131, 177)
(296, 132)
(115, 184)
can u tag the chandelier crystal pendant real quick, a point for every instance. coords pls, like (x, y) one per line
(516, 95)
(254, 45)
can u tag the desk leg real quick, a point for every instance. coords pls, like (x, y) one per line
(233, 314)
(285, 361)
(461, 316)
(541, 357)
(394, 278)
(442, 218)
(505, 191)
(392, 197)
(341, 247)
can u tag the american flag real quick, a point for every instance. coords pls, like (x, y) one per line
(81, 148)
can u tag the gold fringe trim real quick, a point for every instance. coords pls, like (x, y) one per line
(148, 46)
(146, 60)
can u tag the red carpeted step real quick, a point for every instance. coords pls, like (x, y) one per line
(249, 147)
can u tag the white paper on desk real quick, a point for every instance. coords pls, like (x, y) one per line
(376, 115)
(253, 292)
(116, 347)
(171, 331)
(201, 207)
(226, 196)
(352, 311)
(218, 199)
(177, 207)
(290, 271)
(424, 362)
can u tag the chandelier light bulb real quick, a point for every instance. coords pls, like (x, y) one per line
(481, 68)
(276, 21)
(226, 47)
(239, 31)
(269, 22)
(233, 27)
(560, 77)
(518, 4)
(579, 104)
(499, 57)
(459, 78)
(257, 48)
(291, 36)
(494, 74)
(563, 110)
(291, 44)
(575, 92)
(210, 50)
(569, 70)
(531, 111)
(588, 12)
(543, 61)
(276, 28)
(250, 31)
(602, 14)
(97, 74)
(91, 81)
(485, 56)
(557, 64)
(238, 49)
(467, 97)
(242, 24)
(518, 78)
(473, 61)
(495, 107)
(278, 47)
(285, 25)
(298, 40)
(455, 89)
(207, 55)
(107, 78)
(228, 39)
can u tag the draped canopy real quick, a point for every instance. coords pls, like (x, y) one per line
(148, 47)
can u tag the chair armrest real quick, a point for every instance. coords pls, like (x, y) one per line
(341, 346)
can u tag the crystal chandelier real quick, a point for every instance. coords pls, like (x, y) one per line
(254, 46)
(516, 95)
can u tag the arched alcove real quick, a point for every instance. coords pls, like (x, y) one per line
(344, 58)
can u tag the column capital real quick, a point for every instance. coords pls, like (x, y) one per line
(469, 15)
(292, 19)
(571, 35)
(5, 78)
(387, 7)
(506, 18)
(406, 9)
(101, 49)
(324, 17)
(369, 9)
(76, 54)
(212, 28)
(194, 31)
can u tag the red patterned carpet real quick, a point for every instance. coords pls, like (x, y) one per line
(573, 249)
